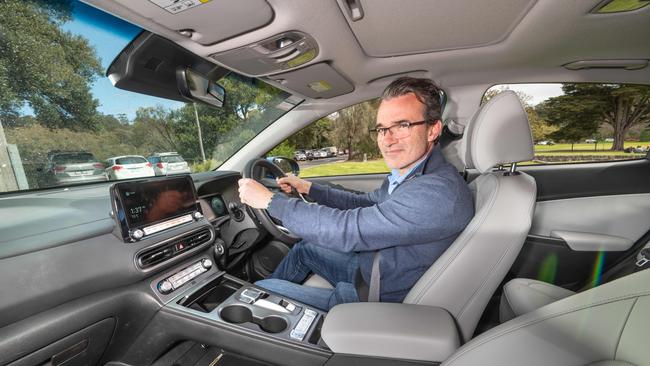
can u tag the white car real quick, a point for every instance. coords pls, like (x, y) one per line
(128, 167)
(169, 163)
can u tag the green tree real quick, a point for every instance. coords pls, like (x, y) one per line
(314, 136)
(285, 149)
(350, 129)
(580, 111)
(538, 127)
(45, 67)
(153, 130)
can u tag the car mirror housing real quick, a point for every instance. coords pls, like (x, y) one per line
(198, 88)
(287, 165)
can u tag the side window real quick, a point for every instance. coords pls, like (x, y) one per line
(339, 144)
(584, 122)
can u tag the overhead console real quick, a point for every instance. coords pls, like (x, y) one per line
(315, 81)
(279, 53)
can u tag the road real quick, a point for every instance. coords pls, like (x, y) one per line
(306, 164)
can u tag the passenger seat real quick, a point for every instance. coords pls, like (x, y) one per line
(522, 295)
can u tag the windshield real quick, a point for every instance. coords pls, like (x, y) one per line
(59, 99)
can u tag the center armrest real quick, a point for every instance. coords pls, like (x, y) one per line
(405, 331)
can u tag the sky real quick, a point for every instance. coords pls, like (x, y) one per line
(538, 92)
(93, 25)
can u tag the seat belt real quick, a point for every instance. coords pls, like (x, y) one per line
(375, 278)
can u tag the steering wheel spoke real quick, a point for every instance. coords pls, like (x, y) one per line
(257, 169)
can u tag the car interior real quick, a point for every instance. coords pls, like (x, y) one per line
(161, 271)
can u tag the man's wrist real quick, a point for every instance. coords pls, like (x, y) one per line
(268, 202)
(307, 187)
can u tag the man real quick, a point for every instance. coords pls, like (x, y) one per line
(390, 236)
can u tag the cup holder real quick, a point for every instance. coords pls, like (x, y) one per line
(237, 314)
(273, 324)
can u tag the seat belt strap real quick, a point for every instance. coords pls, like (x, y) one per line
(375, 278)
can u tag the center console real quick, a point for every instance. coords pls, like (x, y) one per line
(200, 290)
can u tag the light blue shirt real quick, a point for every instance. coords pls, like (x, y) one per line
(395, 178)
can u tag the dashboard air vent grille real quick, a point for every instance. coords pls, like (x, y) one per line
(153, 256)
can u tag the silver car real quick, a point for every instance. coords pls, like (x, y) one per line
(71, 167)
(168, 163)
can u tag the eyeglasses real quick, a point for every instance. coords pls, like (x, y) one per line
(399, 130)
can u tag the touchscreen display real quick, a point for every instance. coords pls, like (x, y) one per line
(152, 201)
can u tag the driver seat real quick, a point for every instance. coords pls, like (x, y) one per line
(464, 278)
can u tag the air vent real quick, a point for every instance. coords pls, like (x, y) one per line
(151, 257)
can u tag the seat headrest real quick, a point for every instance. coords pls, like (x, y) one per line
(499, 133)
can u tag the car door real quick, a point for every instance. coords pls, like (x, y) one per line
(587, 218)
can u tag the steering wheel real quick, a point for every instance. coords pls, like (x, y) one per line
(253, 170)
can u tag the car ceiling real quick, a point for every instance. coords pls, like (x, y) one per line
(457, 43)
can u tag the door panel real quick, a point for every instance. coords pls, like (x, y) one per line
(600, 198)
(356, 183)
(625, 216)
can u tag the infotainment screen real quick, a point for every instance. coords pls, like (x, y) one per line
(147, 202)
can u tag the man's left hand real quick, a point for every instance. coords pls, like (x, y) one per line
(254, 194)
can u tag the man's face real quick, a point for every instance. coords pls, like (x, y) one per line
(403, 153)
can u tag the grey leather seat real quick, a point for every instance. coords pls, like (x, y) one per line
(606, 326)
(522, 295)
(464, 278)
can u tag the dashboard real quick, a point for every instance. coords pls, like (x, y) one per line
(75, 236)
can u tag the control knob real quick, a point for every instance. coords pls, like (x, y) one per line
(137, 234)
(206, 263)
(165, 286)
(198, 215)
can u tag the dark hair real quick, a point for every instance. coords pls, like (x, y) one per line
(425, 90)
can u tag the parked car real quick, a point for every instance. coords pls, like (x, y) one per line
(322, 153)
(591, 141)
(331, 151)
(128, 167)
(71, 167)
(300, 155)
(609, 139)
(546, 142)
(168, 163)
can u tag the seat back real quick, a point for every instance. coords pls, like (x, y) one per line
(605, 326)
(464, 278)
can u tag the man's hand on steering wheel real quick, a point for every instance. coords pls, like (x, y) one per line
(291, 181)
(254, 194)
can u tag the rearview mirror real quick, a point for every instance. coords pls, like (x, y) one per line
(198, 88)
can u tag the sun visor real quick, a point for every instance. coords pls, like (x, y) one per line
(390, 28)
(211, 21)
(315, 81)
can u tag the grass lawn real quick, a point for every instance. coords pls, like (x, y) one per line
(587, 148)
(378, 166)
(345, 168)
